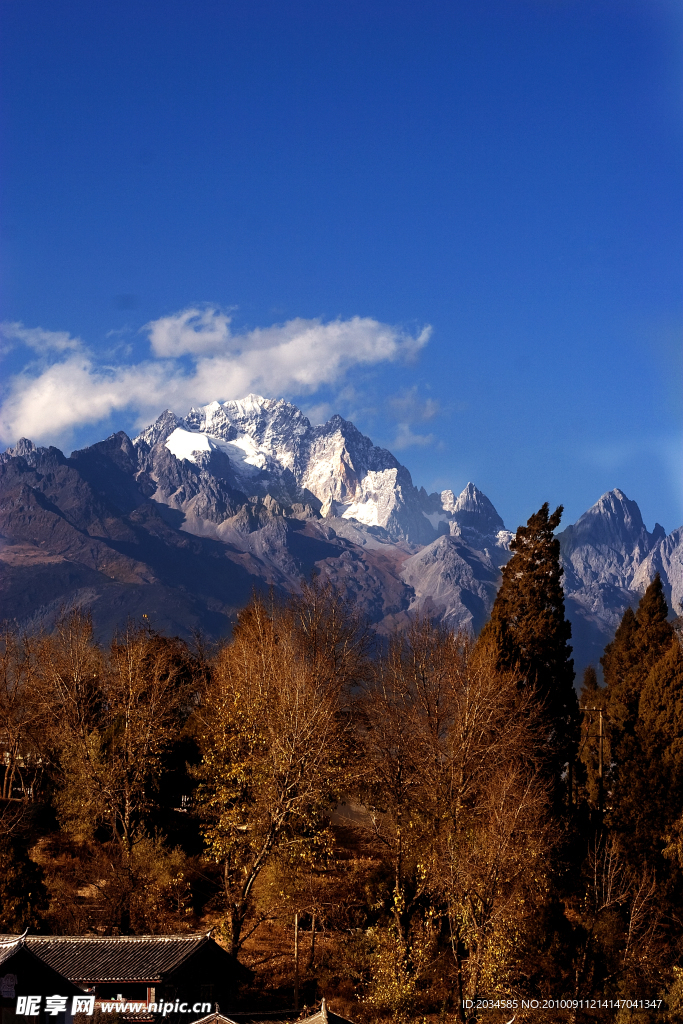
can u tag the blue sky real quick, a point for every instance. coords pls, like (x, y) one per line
(456, 223)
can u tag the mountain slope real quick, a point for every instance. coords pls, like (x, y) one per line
(183, 522)
(604, 555)
(263, 446)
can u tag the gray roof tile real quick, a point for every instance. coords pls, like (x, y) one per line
(93, 958)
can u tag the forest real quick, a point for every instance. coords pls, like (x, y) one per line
(429, 819)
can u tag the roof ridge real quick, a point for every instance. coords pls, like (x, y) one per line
(89, 959)
(182, 936)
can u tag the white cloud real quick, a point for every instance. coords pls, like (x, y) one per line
(38, 339)
(70, 393)
(191, 332)
(405, 438)
(409, 407)
(290, 359)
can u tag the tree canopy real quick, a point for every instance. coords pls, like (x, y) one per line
(530, 634)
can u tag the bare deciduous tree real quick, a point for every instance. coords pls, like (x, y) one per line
(275, 738)
(620, 943)
(22, 720)
(112, 716)
(456, 800)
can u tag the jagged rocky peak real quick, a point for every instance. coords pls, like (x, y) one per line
(272, 423)
(609, 541)
(23, 447)
(341, 465)
(271, 447)
(359, 446)
(614, 522)
(666, 558)
(26, 449)
(355, 479)
(117, 450)
(473, 510)
(160, 430)
(339, 438)
(255, 475)
(658, 533)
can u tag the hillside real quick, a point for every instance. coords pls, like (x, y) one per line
(184, 521)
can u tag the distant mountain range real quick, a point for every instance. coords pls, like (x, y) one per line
(184, 521)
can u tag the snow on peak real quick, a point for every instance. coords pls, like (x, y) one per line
(334, 462)
(160, 429)
(188, 444)
(274, 425)
(193, 445)
(448, 501)
(472, 510)
(471, 499)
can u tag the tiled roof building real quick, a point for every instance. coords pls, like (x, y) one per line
(193, 968)
(23, 973)
(156, 968)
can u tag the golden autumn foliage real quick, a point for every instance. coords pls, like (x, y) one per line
(393, 798)
(275, 736)
(458, 805)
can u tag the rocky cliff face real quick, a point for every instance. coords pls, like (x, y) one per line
(609, 559)
(608, 543)
(271, 448)
(665, 558)
(185, 520)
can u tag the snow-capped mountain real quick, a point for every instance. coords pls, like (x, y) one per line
(182, 522)
(272, 448)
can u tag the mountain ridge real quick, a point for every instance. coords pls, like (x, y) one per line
(184, 520)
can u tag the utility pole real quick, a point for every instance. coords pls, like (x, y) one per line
(600, 759)
(312, 958)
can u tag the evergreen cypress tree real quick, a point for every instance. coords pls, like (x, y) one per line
(661, 704)
(661, 709)
(639, 642)
(531, 634)
(617, 661)
(644, 683)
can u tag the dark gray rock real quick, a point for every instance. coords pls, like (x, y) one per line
(266, 499)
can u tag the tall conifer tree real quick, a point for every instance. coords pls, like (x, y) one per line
(531, 634)
(641, 639)
(661, 713)
(617, 663)
(643, 679)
